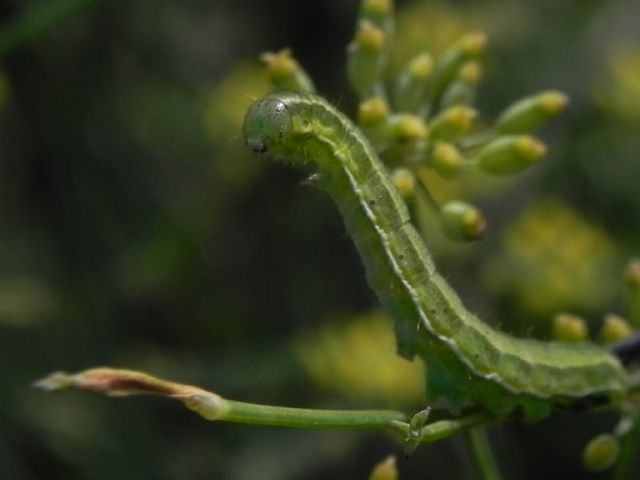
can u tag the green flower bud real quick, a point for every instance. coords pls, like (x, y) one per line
(453, 122)
(601, 453)
(373, 118)
(285, 73)
(614, 329)
(510, 154)
(529, 113)
(373, 111)
(405, 181)
(462, 221)
(365, 60)
(446, 159)
(569, 328)
(405, 139)
(469, 47)
(462, 91)
(406, 128)
(412, 83)
(380, 14)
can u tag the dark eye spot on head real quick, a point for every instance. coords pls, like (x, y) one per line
(257, 146)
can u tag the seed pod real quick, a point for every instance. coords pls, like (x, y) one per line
(601, 452)
(469, 47)
(365, 59)
(529, 113)
(405, 181)
(453, 122)
(510, 154)
(285, 73)
(569, 328)
(462, 221)
(446, 159)
(614, 329)
(412, 83)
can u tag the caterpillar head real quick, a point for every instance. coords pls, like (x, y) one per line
(266, 125)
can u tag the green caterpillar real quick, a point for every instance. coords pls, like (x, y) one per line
(469, 363)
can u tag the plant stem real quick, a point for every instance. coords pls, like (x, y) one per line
(117, 382)
(241, 412)
(629, 443)
(478, 446)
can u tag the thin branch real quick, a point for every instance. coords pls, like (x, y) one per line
(117, 383)
(480, 449)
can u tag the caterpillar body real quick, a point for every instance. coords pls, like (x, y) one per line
(469, 363)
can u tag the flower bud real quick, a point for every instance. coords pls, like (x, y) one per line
(601, 452)
(405, 181)
(373, 118)
(569, 328)
(373, 111)
(462, 90)
(469, 47)
(285, 73)
(510, 154)
(408, 128)
(453, 122)
(385, 470)
(412, 83)
(365, 60)
(446, 159)
(462, 221)
(614, 329)
(529, 113)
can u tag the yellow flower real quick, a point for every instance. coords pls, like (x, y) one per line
(356, 357)
(553, 259)
(620, 91)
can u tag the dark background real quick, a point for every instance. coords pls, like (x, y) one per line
(135, 231)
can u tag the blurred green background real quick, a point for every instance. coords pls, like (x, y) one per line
(137, 232)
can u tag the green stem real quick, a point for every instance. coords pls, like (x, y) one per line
(480, 449)
(211, 406)
(270, 415)
(629, 444)
(427, 195)
(33, 22)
